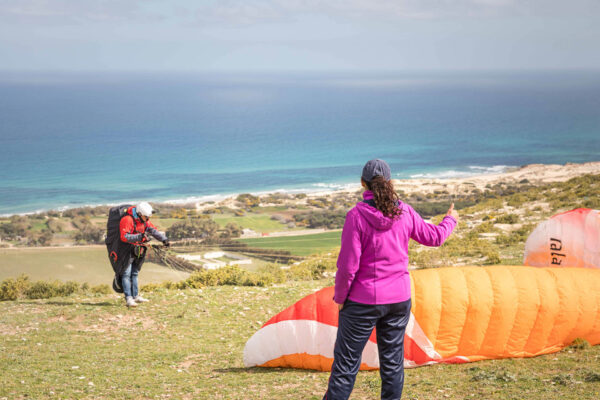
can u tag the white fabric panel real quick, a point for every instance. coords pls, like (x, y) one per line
(313, 337)
(592, 240)
(540, 238)
(415, 332)
(296, 337)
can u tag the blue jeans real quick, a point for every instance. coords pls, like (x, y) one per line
(356, 322)
(130, 280)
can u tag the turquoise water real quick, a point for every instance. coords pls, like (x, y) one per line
(75, 139)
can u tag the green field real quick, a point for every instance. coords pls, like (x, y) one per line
(256, 222)
(189, 345)
(81, 264)
(301, 245)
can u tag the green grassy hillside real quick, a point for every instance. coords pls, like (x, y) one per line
(255, 221)
(189, 345)
(301, 245)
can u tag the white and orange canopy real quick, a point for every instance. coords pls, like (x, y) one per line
(465, 314)
(459, 314)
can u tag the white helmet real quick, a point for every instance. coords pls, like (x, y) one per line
(144, 209)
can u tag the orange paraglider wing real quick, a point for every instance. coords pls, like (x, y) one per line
(459, 314)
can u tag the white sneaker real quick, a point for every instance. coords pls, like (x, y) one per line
(140, 299)
(130, 302)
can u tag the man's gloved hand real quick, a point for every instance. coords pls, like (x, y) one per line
(166, 243)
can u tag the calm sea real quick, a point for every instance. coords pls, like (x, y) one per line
(74, 139)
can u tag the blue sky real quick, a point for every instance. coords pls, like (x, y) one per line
(298, 35)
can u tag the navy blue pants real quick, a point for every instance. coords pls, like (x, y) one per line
(356, 322)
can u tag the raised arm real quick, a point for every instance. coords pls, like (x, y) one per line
(430, 234)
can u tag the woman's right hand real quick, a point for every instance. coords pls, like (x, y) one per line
(452, 212)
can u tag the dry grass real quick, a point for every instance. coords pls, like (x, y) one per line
(188, 345)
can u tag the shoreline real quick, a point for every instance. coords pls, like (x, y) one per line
(533, 173)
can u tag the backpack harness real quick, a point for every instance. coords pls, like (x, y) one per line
(119, 252)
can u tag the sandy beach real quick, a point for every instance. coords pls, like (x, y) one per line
(534, 174)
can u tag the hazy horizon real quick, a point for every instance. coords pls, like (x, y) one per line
(299, 35)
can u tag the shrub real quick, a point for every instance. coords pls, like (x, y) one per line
(507, 240)
(54, 225)
(67, 288)
(193, 229)
(15, 229)
(87, 211)
(45, 290)
(310, 269)
(591, 202)
(231, 230)
(429, 209)
(485, 227)
(314, 268)
(507, 219)
(179, 213)
(517, 236)
(90, 234)
(563, 379)
(491, 257)
(591, 376)
(455, 247)
(81, 222)
(247, 200)
(275, 198)
(516, 200)
(43, 238)
(100, 289)
(320, 219)
(41, 290)
(274, 270)
(229, 275)
(579, 344)
(12, 289)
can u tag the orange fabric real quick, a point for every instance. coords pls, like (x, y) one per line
(306, 361)
(496, 312)
(318, 306)
(464, 314)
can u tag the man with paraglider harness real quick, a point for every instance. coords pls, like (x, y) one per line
(128, 231)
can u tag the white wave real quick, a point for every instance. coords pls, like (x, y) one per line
(472, 170)
(496, 169)
(334, 186)
(197, 199)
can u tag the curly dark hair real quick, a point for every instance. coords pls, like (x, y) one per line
(386, 198)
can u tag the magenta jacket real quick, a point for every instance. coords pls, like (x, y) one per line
(373, 261)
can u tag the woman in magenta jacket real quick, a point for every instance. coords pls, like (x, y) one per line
(372, 283)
